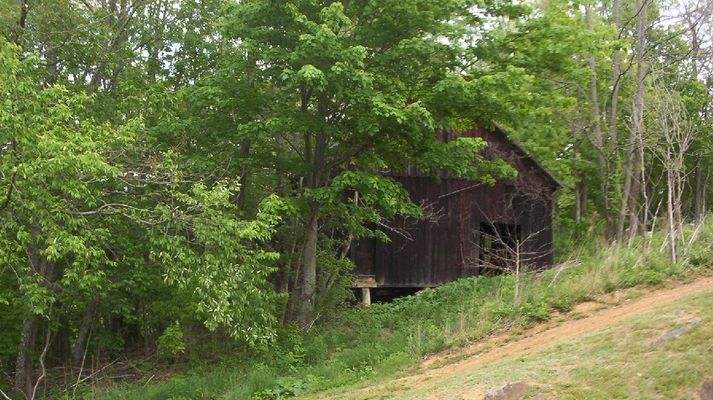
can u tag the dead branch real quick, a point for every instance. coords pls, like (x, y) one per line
(42, 376)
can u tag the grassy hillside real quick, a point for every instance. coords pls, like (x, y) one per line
(386, 340)
(661, 354)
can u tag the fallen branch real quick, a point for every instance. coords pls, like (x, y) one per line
(74, 386)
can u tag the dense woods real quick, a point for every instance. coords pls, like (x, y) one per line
(184, 177)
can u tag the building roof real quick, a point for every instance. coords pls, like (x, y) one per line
(519, 148)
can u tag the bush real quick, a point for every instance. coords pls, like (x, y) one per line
(171, 342)
(360, 343)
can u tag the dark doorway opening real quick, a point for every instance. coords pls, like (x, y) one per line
(497, 247)
(388, 294)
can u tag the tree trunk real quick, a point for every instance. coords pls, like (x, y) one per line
(580, 187)
(636, 190)
(646, 200)
(315, 150)
(292, 272)
(244, 176)
(85, 325)
(597, 136)
(625, 192)
(23, 362)
(699, 192)
(37, 265)
(698, 203)
(18, 37)
(613, 111)
(305, 309)
(672, 225)
(633, 164)
(580, 197)
(517, 273)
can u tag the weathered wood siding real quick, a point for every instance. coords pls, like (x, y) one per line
(444, 248)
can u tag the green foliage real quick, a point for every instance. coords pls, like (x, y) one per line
(362, 344)
(325, 97)
(57, 167)
(94, 222)
(217, 264)
(162, 162)
(171, 341)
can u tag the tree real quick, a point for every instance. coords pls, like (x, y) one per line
(598, 139)
(697, 21)
(54, 165)
(676, 131)
(633, 154)
(348, 90)
(69, 184)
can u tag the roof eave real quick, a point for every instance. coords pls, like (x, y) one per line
(539, 165)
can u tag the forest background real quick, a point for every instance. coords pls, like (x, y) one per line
(173, 173)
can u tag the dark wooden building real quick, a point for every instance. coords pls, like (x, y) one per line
(471, 228)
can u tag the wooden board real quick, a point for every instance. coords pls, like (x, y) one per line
(364, 281)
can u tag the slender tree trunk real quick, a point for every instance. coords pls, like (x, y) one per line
(18, 37)
(646, 203)
(85, 325)
(613, 111)
(37, 265)
(517, 273)
(292, 274)
(626, 191)
(637, 188)
(315, 150)
(580, 197)
(615, 80)
(309, 269)
(698, 203)
(699, 193)
(597, 136)
(642, 215)
(671, 214)
(580, 187)
(633, 162)
(244, 176)
(680, 184)
(23, 362)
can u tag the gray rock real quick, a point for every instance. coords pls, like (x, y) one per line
(510, 391)
(706, 392)
(673, 334)
(678, 332)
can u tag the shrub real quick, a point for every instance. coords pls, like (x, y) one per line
(359, 343)
(171, 342)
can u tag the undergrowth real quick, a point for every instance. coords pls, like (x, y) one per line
(383, 339)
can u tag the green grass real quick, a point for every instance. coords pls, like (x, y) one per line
(384, 340)
(616, 363)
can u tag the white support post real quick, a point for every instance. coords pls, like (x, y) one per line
(365, 296)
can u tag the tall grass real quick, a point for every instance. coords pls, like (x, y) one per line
(383, 339)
